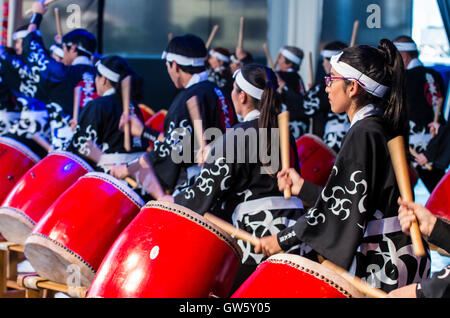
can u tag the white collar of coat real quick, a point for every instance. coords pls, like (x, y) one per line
(110, 91)
(82, 60)
(197, 78)
(254, 114)
(364, 112)
(413, 64)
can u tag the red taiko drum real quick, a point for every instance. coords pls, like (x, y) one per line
(316, 159)
(168, 251)
(36, 191)
(146, 111)
(439, 201)
(293, 276)
(15, 160)
(80, 227)
(156, 122)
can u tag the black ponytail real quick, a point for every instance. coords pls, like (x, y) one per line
(269, 105)
(395, 112)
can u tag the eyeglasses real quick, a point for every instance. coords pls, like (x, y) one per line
(329, 80)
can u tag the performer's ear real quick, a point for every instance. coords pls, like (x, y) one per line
(354, 89)
(243, 98)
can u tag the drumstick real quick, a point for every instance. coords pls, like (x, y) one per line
(95, 154)
(311, 70)
(41, 141)
(283, 125)
(46, 3)
(58, 24)
(211, 36)
(359, 284)
(398, 157)
(126, 91)
(231, 230)
(241, 34)
(269, 58)
(196, 118)
(275, 65)
(355, 33)
(415, 154)
(76, 104)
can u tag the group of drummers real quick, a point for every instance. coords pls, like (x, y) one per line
(369, 96)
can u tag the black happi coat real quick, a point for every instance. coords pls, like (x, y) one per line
(292, 96)
(9, 109)
(359, 200)
(329, 126)
(215, 113)
(99, 122)
(57, 80)
(21, 73)
(228, 184)
(424, 87)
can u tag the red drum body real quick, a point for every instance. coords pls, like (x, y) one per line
(15, 160)
(168, 251)
(146, 111)
(293, 276)
(36, 191)
(316, 159)
(80, 227)
(439, 201)
(156, 122)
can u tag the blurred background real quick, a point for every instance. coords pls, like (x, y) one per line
(138, 29)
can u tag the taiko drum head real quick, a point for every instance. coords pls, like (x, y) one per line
(77, 231)
(293, 276)
(168, 251)
(36, 191)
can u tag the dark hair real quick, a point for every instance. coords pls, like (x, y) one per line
(384, 65)
(223, 51)
(82, 38)
(335, 46)
(408, 39)
(270, 105)
(188, 45)
(297, 52)
(120, 66)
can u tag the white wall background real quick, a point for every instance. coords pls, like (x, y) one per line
(297, 23)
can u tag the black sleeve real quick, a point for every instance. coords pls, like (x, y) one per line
(150, 134)
(334, 226)
(310, 192)
(437, 286)
(441, 235)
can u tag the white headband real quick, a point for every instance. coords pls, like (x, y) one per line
(247, 87)
(369, 85)
(57, 50)
(406, 46)
(106, 72)
(329, 53)
(183, 60)
(220, 56)
(79, 47)
(291, 56)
